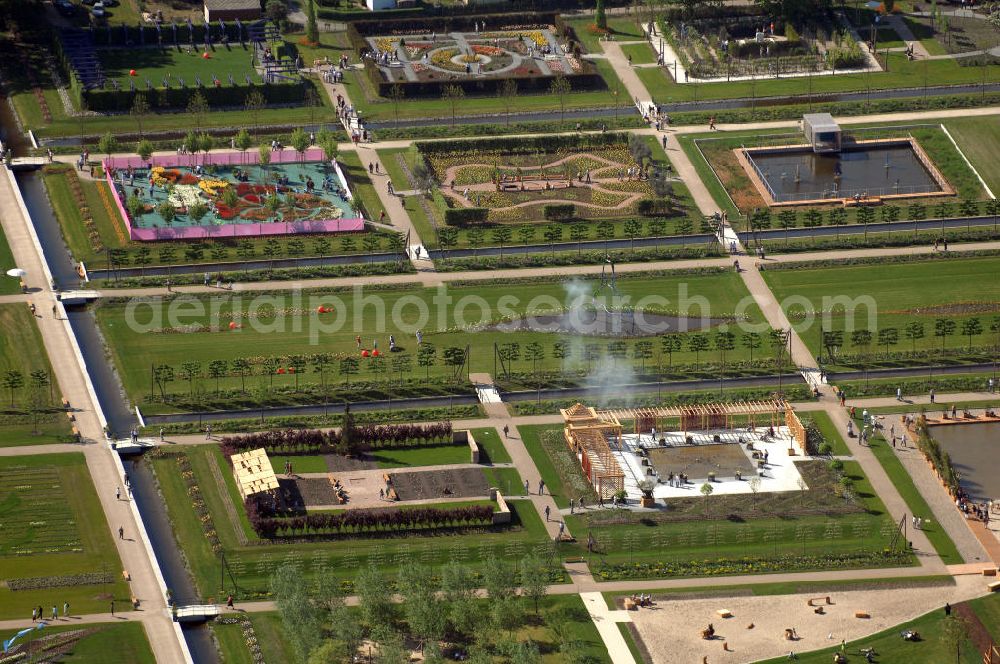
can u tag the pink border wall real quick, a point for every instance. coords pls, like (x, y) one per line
(227, 230)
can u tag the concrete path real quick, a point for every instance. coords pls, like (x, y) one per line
(73, 385)
(606, 622)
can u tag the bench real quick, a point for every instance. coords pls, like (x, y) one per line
(825, 600)
(126, 575)
(990, 571)
(724, 613)
(864, 615)
(993, 587)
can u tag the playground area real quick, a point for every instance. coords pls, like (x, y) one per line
(428, 56)
(231, 195)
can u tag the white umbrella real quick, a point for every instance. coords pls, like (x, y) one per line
(16, 272)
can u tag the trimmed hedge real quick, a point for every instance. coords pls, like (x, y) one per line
(654, 207)
(559, 211)
(465, 216)
(165, 98)
(525, 144)
(293, 442)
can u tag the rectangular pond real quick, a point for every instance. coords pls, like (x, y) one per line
(973, 449)
(887, 168)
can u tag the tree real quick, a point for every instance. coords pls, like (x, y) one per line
(162, 375)
(277, 11)
(312, 29)
(396, 96)
(321, 362)
(144, 149)
(507, 92)
(107, 144)
(343, 625)
(299, 139)
(348, 367)
(561, 87)
(197, 211)
(642, 350)
(139, 110)
(189, 371)
(423, 610)
(453, 95)
(914, 331)
(35, 403)
(751, 341)
(206, 142)
(197, 107)
(218, 369)
(954, 632)
(166, 210)
(253, 104)
(724, 342)
(534, 579)
(454, 356)
(944, 328)
(373, 597)
(632, 227)
(498, 579)
(40, 379)
(698, 343)
(534, 353)
(242, 368)
(427, 357)
(754, 489)
(459, 590)
(862, 339)
(243, 142)
(423, 176)
(600, 16)
(13, 380)
(502, 235)
(577, 233)
(832, 340)
(301, 620)
(670, 344)
(135, 207)
(263, 159)
(971, 327)
(639, 149)
(888, 336)
(706, 490)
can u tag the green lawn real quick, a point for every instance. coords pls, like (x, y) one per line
(531, 437)
(135, 348)
(915, 502)
(408, 457)
(979, 141)
(54, 527)
(155, 63)
(300, 464)
(127, 640)
(490, 444)
(361, 185)
(988, 611)
(22, 350)
(890, 295)
(932, 646)
(252, 563)
(8, 285)
(641, 53)
(830, 433)
(113, 233)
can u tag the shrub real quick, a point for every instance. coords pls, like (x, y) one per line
(653, 207)
(465, 216)
(291, 442)
(559, 211)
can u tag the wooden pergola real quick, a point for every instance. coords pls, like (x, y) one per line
(587, 434)
(253, 473)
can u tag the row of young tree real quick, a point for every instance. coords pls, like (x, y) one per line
(38, 386)
(435, 608)
(864, 340)
(763, 218)
(349, 439)
(377, 366)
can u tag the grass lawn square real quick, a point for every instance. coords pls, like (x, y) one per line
(56, 542)
(936, 297)
(27, 414)
(86, 644)
(156, 64)
(8, 284)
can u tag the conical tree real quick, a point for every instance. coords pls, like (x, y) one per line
(312, 29)
(600, 18)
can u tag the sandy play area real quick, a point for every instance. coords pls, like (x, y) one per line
(671, 630)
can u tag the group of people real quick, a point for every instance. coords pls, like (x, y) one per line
(971, 509)
(642, 599)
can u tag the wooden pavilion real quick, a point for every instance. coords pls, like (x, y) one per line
(253, 473)
(590, 432)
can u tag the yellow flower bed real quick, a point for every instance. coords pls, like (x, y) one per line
(210, 187)
(538, 38)
(384, 44)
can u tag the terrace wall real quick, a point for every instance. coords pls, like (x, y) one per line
(228, 230)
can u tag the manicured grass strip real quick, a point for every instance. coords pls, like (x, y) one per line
(630, 642)
(988, 610)
(7, 284)
(361, 184)
(127, 640)
(829, 431)
(508, 480)
(932, 646)
(430, 455)
(915, 502)
(794, 587)
(490, 444)
(641, 53)
(531, 436)
(300, 464)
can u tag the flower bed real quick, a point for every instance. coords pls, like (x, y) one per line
(292, 442)
(198, 502)
(42, 582)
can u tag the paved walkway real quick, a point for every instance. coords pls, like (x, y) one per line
(605, 620)
(68, 374)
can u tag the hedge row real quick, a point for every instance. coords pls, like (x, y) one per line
(526, 144)
(466, 216)
(104, 100)
(362, 521)
(291, 442)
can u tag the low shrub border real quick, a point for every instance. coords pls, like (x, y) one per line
(294, 442)
(198, 503)
(43, 582)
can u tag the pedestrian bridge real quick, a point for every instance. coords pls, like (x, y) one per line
(71, 297)
(195, 612)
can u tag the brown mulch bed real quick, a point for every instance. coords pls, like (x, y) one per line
(338, 463)
(975, 629)
(458, 483)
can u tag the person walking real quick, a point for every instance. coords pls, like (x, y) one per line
(121, 532)
(112, 607)
(541, 487)
(548, 511)
(161, 434)
(208, 432)
(65, 609)
(34, 614)
(118, 493)
(506, 434)
(526, 489)
(899, 394)
(55, 612)
(229, 601)
(932, 395)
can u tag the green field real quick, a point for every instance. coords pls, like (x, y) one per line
(54, 527)
(155, 63)
(8, 285)
(891, 295)
(252, 563)
(134, 350)
(979, 140)
(127, 640)
(830, 433)
(33, 419)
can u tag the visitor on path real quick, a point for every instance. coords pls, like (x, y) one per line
(161, 435)
(65, 609)
(711, 122)
(899, 394)
(55, 613)
(526, 489)
(34, 614)
(541, 487)
(121, 532)
(547, 512)
(562, 529)
(118, 493)
(229, 601)
(932, 395)
(506, 434)
(112, 607)
(420, 335)
(208, 432)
